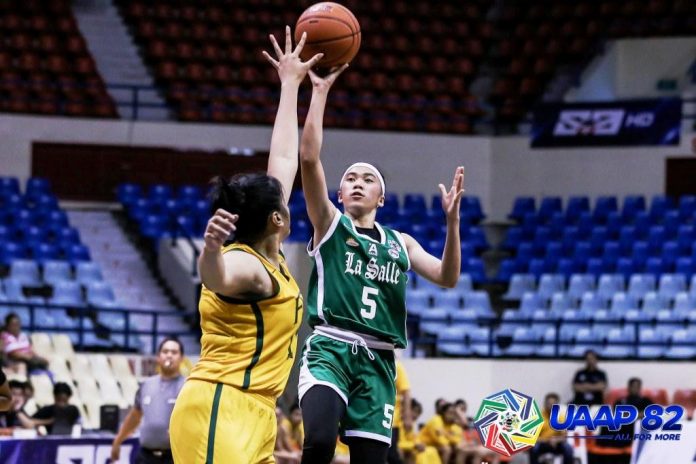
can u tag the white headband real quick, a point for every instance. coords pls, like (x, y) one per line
(374, 170)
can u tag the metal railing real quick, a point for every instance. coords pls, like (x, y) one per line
(83, 313)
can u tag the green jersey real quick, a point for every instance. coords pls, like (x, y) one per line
(359, 284)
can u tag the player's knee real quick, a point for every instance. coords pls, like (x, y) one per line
(320, 441)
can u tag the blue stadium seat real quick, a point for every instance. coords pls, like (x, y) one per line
(579, 284)
(127, 193)
(683, 345)
(417, 301)
(686, 267)
(577, 205)
(622, 302)
(519, 284)
(472, 207)
(617, 343)
(626, 267)
(687, 207)
(25, 271)
(464, 283)
(603, 206)
(87, 271)
(521, 207)
(43, 318)
(671, 223)
(585, 339)
(567, 267)
(656, 237)
(632, 204)
(683, 302)
(584, 225)
(612, 250)
(549, 206)
(653, 302)
(508, 267)
(77, 253)
(549, 284)
(610, 284)
(15, 292)
(9, 186)
(38, 185)
(476, 269)
(655, 266)
(452, 341)
(560, 302)
(525, 252)
(590, 301)
(448, 299)
(686, 236)
(67, 293)
(538, 267)
(513, 238)
(671, 284)
(652, 344)
(468, 316)
(56, 271)
(627, 237)
(659, 206)
(531, 302)
(99, 291)
(670, 253)
(478, 301)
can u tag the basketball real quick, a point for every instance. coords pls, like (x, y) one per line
(332, 30)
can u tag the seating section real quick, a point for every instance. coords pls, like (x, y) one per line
(45, 66)
(409, 75)
(96, 379)
(606, 239)
(164, 211)
(618, 280)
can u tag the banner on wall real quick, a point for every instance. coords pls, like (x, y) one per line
(619, 123)
(64, 451)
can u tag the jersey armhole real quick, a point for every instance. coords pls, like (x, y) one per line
(332, 228)
(253, 299)
(403, 245)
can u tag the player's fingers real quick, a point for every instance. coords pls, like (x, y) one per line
(288, 41)
(443, 192)
(276, 47)
(270, 59)
(338, 72)
(300, 44)
(314, 60)
(227, 215)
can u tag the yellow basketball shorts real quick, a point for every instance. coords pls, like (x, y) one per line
(219, 424)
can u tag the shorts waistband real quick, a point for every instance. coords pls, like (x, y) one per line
(353, 337)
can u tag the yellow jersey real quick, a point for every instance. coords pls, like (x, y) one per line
(251, 344)
(402, 385)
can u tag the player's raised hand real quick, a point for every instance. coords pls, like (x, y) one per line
(291, 69)
(323, 84)
(218, 230)
(452, 199)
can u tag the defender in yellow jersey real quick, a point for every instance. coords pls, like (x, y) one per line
(250, 306)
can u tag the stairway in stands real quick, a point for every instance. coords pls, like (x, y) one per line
(125, 269)
(117, 58)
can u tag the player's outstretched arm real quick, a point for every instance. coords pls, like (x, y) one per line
(282, 160)
(319, 208)
(444, 271)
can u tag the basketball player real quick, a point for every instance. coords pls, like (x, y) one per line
(250, 306)
(356, 300)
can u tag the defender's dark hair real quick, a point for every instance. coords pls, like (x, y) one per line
(253, 197)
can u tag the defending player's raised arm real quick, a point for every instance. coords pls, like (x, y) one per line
(319, 208)
(282, 160)
(445, 271)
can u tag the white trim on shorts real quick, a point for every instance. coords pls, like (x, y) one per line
(307, 380)
(370, 435)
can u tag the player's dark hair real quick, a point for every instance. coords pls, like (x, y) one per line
(171, 339)
(62, 388)
(253, 197)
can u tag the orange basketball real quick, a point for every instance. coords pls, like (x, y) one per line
(332, 30)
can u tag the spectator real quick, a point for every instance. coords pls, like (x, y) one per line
(60, 417)
(17, 347)
(469, 444)
(30, 406)
(402, 412)
(412, 449)
(551, 441)
(153, 406)
(5, 393)
(436, 432)
(293, 425)
(589, 383)
(11, 418)
(634, 396)
(284, 452)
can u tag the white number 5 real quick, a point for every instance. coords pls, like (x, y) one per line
(389, 415)
(369, 312)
